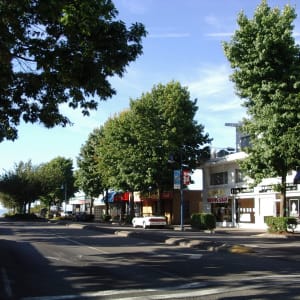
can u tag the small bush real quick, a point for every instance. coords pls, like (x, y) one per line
(106, 218)
(280, 224)
(23, 217)
(203, 221)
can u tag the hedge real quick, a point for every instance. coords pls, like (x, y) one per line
(203, 221)
(280, 224)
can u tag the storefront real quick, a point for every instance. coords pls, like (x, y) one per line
(115, 203)
(221, 208)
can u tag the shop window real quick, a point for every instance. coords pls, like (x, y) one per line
(239, 176)
(219, 178)
(294, 208)
(222, 211)
(245, 210)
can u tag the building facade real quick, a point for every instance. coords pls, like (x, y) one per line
(228, 196)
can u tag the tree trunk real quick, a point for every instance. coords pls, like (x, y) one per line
(283, 206)
(91, 206)
(29, 207)
(131, 204)
(158, 201)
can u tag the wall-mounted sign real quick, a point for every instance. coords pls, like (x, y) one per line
(217, 200)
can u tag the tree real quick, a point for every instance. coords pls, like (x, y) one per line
(137, 143)
(20, 187)
(164, 125)
(266, 72)
(119, 162)
(57, 181)
(59, 52)
(87, 177)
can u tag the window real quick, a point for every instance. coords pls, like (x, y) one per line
(219, 178)
(239, 176)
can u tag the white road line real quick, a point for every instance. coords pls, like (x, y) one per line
(81, 244)
(6, 283)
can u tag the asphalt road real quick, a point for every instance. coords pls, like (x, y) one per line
(56, 261)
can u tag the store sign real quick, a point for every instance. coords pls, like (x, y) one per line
(217, 200)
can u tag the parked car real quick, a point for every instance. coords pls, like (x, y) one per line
(149, 221)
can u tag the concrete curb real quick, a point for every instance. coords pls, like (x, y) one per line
(78, 226)
(125, 233)
(205, 245)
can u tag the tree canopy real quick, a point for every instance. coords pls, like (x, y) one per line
(266, 72)
(164, 125)
(57, 181)
(136, 145)
(87, 176)
(50, 182)
(56, 52)
(20, 187)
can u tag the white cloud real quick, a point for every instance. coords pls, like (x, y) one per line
(212, 80)
(217, 101)
(170, 35)
(219, 34)
(229, 105)
(212, 21)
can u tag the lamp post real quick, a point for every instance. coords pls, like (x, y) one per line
(178, 184)
(64, 187)
(181, 197)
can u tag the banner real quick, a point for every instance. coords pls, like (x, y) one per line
(177, 179)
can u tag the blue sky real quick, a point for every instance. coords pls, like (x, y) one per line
(183, 44)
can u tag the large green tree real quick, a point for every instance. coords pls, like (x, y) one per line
(164, 126)
(119, 162)
(266, 72)
(87, 176)
(57, 181)
(59, 51)
(137, 143)
(20, 187)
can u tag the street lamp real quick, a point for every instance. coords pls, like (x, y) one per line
(64, 188)
(181, 197)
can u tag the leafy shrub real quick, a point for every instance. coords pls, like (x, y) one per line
(128, 219)
(280, 224)
(106, 218)
(203, 221)
(23, 217)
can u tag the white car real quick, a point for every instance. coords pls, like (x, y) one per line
(150, 221)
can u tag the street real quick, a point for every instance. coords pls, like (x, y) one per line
(54, 261)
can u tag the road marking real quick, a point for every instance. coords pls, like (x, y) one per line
(7, 287)
(81, 244)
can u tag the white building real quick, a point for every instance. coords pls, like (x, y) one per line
(227, 195)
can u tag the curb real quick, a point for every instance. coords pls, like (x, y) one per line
(125, 233)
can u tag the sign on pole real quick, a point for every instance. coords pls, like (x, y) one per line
(176, 179)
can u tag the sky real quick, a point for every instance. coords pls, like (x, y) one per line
(184, 43)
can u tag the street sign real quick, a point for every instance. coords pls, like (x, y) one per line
(177, 179)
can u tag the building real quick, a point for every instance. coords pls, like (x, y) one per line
(228, 196)
(147, 204)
